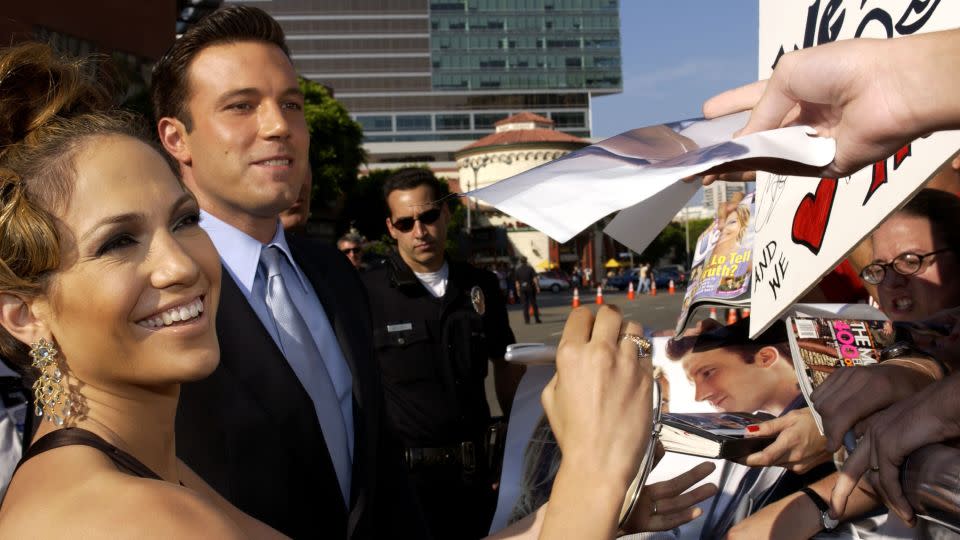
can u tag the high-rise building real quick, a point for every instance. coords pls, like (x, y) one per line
(720, 192)
(424, 76)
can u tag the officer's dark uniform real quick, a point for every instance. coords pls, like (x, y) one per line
(433, 356)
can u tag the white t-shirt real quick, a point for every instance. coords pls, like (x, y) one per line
(435, 282)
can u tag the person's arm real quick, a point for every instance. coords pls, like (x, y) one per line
(850, 395)
(890, 435)
(601, 380)
(797, 516)
(856, 91)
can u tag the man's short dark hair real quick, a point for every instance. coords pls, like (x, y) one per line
(736, 338)
(170, 85)
(412, 178)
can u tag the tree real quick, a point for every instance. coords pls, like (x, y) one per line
(336, 145)
(670, 243)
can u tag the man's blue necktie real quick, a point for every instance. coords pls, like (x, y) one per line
(304, 358)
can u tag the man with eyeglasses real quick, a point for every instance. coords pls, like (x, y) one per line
(436, 325)
(351, 245)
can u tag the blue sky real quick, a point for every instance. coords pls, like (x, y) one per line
(675, 54)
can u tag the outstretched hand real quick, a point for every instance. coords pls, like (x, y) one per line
(666, 505)
(889, 436)
(599, 403)
(799, 446)
(850, 90)
(850, 395)
(600, 407)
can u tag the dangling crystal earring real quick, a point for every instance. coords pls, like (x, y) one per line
(48, 390)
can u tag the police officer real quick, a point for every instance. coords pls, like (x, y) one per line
(436, 324)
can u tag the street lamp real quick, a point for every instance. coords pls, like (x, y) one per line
(476, 164)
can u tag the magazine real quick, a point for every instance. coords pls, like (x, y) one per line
(823, 343)
(722, 264)
(718, 435)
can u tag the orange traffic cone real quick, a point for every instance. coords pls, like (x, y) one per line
(713, 313)
(576, 297)
(530, 310)
(653, 287)
(599, 295)
(731, 316)
(671, 289)
(630, 294)
(744, 313)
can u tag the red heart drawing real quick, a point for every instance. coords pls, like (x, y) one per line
(813, 214)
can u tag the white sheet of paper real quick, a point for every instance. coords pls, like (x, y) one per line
(641, 169)
(806, 226)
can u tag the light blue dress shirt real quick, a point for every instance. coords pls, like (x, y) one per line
(240, 254)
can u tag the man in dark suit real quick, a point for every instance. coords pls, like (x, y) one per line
(289, 426)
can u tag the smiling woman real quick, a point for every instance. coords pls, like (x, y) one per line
(108, 296)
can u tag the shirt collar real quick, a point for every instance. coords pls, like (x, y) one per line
(239, 251)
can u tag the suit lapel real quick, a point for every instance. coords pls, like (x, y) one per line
(252, 356)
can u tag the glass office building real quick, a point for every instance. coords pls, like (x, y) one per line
(446, 70)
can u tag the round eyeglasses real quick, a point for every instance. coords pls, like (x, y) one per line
(905, 264)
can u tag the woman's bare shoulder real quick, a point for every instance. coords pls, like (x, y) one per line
(115, 506)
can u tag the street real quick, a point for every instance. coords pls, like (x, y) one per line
(654, 312)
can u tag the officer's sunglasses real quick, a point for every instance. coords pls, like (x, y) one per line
(405, 224)
(351, 250)
(905, 264)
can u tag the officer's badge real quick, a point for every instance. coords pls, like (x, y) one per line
(478, 301)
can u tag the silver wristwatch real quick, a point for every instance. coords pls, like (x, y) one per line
(828, 522)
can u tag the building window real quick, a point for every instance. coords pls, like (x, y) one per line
(452, 122)
(487, 120)
(414, 122)
(375, 123)
(564, 120)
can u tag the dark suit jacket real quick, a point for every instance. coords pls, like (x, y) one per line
(250, 429)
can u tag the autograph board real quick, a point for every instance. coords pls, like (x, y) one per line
(805, 226)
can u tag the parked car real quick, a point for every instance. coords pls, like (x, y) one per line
(622, 281)
(554, 281)
(664, 274)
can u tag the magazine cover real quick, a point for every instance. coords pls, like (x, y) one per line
(722, 263)
(821, 345)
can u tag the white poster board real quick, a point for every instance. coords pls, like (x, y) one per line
(805, 226)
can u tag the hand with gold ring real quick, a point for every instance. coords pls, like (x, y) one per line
(599, 407)
(667, 505)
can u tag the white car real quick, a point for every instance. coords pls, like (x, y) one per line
(552, 282)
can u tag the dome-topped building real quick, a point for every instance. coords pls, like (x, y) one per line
(521, 142)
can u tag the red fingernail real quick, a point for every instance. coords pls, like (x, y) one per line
(753, 428)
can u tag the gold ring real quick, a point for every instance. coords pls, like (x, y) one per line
(644, 347)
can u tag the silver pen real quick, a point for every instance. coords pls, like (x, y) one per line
(531, 354)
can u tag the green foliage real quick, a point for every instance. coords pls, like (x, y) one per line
(336, 150)
(364, 207)
(697, 226)
(669, 243)
(672, 241)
